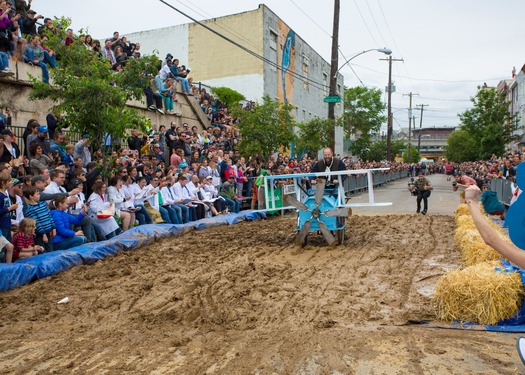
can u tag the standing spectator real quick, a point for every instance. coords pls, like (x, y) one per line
(136, 141)
(29, 22)
(9, 145)
(82, 150)
(107, 52)
(5, 206)
(41, 139)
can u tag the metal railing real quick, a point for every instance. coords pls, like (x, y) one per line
(18, 131)
(359, 183)
(503, 189)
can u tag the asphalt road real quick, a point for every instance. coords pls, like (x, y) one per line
(442, 201)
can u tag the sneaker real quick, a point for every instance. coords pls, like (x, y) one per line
(418, 210)
(424, 212)
(160, 111)
(152, 108)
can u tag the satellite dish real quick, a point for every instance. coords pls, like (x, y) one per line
(520, 343)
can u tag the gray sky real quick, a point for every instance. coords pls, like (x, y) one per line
(449, 47)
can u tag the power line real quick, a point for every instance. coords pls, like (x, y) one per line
(366, 25)
(374, 19)
(431, 79)
(311, 19)
(318, 85)
(217, 22)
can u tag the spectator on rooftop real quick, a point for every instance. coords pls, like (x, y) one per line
(174, 69)
(107, 52)
(46, 27)
(69, 40)
(153, 97)
(88, 42)
(169, 57)
(33, 54)
(166, 91)
(28, 22)
(120, 55)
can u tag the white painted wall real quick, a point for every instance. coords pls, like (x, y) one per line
(172, 40)
(251, 85)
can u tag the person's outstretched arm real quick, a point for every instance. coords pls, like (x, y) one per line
(489, 234)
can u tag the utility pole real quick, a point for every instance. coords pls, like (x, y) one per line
(390, 127)
(409, 125)
(420, 124)
(334, 69)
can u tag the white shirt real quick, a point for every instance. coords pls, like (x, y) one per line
(164, 72)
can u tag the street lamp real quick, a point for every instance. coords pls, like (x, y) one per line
(386, 51)
(333, 83)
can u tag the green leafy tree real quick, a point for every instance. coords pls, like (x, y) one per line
(415, 155)
(313, 135)
(228, 96)
(489, 123)
(266, 128)
(364, 114)
(376, 150)
(91, 97)
(461, 146)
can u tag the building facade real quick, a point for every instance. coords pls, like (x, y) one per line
(292, 71)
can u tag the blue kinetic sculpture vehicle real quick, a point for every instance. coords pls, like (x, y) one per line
(323, 209)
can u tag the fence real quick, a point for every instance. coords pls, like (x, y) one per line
(358, 183)
(503, 189)
(18, 131)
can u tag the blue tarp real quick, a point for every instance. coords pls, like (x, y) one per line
(26, 270)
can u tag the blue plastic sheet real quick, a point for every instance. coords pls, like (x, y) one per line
(26, 270)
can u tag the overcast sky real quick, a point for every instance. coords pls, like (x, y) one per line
(449, 47)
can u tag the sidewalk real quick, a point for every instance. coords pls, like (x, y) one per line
(442, 201)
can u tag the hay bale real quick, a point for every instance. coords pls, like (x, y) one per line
(462, 209)
(476, 251)
(465, 221)
(478, 294)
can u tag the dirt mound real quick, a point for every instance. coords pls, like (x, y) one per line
(244, 299)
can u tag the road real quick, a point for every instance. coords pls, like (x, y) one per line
(442, 201)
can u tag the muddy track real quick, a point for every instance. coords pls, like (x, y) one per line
(244, 299)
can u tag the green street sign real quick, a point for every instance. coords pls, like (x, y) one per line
(332, 99)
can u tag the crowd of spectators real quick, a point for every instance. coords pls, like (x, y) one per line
(52, 193)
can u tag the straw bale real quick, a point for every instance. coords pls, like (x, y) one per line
(477, 251)
(462, 209)
(478, 294)
(465, 221)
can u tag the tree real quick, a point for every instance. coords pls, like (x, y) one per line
(314, 135)
(228, 96)
(489, 124)
(461, 146)
(91, 96)
(376, 151)
(363, 116)
(415, 155)
(266, 128)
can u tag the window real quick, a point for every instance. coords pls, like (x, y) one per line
(306, 62)
(273, 39)
(326, 82)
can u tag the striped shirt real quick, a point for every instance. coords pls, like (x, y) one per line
(40, 212)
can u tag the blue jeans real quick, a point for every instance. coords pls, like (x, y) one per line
(142, 215)
(6, 232)
(175, 214)
(4, 61)
(185, 84)
(235, 206)
(51, 60)
(45, 71)
(184, 212)
(70, 242)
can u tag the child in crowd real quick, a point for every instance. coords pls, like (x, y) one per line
(7, 249)
(5, 205)
(24, 241)
(38, 210)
